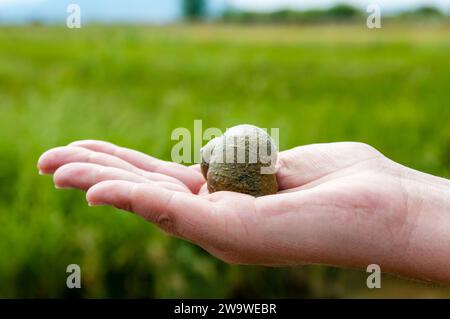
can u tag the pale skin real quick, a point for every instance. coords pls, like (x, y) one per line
(341, 204)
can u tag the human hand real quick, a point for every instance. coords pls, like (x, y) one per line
(341, 203)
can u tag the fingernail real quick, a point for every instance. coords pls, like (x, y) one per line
(61, 187)
(92, 204)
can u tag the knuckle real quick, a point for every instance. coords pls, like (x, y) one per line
(103, 172)
(91, 157)
(125, 205)
(127, 202)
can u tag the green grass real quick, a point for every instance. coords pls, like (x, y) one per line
(134, 85)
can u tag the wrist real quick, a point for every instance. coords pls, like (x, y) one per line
(426, 252)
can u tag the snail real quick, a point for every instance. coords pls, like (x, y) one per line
(241, 160)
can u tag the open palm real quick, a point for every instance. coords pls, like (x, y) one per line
(339, 203)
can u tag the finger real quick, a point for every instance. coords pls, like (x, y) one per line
(203, 190)
(51, 160)
(181, 214)
(196, 167)
(85, 175)
(190, 177)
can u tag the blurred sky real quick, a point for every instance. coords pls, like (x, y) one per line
(387, 5)
(162, 11)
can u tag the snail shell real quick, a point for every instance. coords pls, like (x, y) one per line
(241, 160)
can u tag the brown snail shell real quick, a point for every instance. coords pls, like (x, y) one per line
(241, 160)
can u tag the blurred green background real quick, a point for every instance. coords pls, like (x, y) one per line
(132, 85)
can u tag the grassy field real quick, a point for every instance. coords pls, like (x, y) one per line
(134, 85)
